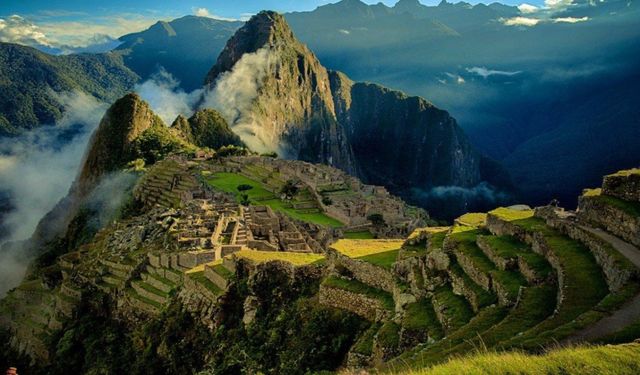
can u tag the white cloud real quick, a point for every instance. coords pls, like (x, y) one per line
(16, 29)
(204, 12)
(557, 4)
(484, 72)
(527, 8)
(345, 32)
(520, 21)
(167, 100)
(66, 36)
(234, 94)
(83, 33)
(456, 78)
(570, 19)
(38, 168)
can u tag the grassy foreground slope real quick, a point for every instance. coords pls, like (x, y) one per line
(610, 359)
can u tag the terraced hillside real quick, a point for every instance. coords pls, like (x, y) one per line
(236, 277)
(513, 278)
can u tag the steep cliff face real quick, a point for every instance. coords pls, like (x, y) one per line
(292, 109)
(403, 141)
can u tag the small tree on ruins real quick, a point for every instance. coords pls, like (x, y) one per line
(244, 199)
(244, 187)
(377, 220)
(289, 190)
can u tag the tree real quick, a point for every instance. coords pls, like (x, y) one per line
(244, 187)
(244, 199)
(327, 201)
(377, 220)
(289, 190)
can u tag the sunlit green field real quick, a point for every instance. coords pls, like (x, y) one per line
(258, 195)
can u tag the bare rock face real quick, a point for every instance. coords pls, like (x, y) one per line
(403, 140)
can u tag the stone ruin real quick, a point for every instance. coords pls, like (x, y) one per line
(351, 200)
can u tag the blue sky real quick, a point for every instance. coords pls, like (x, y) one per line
(67, 24)
(225, 8)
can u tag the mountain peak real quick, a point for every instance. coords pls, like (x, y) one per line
(266, 28)
(111, 145)
(408, 5)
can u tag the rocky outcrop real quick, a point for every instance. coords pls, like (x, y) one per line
(206, 128)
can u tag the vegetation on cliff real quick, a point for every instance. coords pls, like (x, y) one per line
(30, 79)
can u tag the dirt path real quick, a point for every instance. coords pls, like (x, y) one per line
(630, 312)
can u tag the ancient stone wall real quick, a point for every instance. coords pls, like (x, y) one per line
(623, 186)
(613, 219)
(367, 273)
(369, 308)
(617, 272)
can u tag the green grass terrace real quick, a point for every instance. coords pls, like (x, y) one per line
(382, 253)
(259, 195)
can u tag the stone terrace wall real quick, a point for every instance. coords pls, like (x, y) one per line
(366, 272)
(617, 274)
(613, 219)
(538, 244)
(622, 186)
(369, 308)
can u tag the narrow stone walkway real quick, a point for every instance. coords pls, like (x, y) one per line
(628, 250)
(629, 313)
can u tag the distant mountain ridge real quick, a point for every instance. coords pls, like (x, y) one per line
(186, 47)
(28, 78)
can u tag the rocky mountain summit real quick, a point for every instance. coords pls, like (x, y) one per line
(357, 127)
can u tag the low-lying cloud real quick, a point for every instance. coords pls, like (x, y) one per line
(37, 168)
(484, 72)
(16, 29)
(234, 94)
(452, 201)
(36, 171)
(166, 98)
